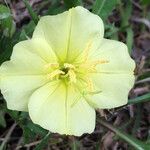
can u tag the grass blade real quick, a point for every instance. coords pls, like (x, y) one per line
(72, 3)
(42, 144)
(140, 99)
(103, 7)
(129, 39)
(31, 12)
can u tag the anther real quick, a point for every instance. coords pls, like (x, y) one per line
(51, 65)
(72, 76)
(99, 62)
(70, 66)
(55, 74)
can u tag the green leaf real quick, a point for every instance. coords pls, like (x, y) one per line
(5, 48)
(137, 120)
(125, 13)
(140, 99)
(111, 31)
(7, 25)
(33, 15)
(129, 39)
(43, 142)
(27, 31)
(103, 8)
(75, 145)
(14, 114)
(55, 8)
(146, 2)
(125, 22)
(137, 144)
(2, 118)
(36, 129)
(4, 15)
(28, 135)
(72, 3)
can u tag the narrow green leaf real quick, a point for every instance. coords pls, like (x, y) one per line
(55, 8)
(126, 12)
(137, 144)
(75, 145)
(28, 135)
(140, 99)
(27, 31)
(43, 142)
(72, 3)
(146, 2)
(31, 12)
(7, 26)
(5, 48)
(111, 31)
(137, 119)
(36, 128)
(129, 39)
(103, 8)
(2, 118)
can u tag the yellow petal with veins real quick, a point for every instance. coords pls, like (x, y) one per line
(62, 32)
(51, 107)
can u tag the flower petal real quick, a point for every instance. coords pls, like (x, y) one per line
(63, 32)
(81, 115)
(28, 57)
(24, 73)
(113, 89)
(50, 107)
(116, 53)
(17, 90)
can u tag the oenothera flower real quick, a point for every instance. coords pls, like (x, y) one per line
(66, 71)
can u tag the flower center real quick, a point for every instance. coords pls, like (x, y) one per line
(71, 73)
(67, 71)
(79, 73)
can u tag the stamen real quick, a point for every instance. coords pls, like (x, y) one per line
(91, 66)
(99, 62)
(72, 76)
(87, 50)
(90, 84)
(70, 66)
(87, 67)
(55, 74)
(51, 65)
(92, 93)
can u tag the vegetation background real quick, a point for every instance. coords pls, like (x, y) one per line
(124, 128)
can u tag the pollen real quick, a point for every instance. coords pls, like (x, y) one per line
(54, 74)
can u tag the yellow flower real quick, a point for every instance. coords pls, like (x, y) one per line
(66, 71)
